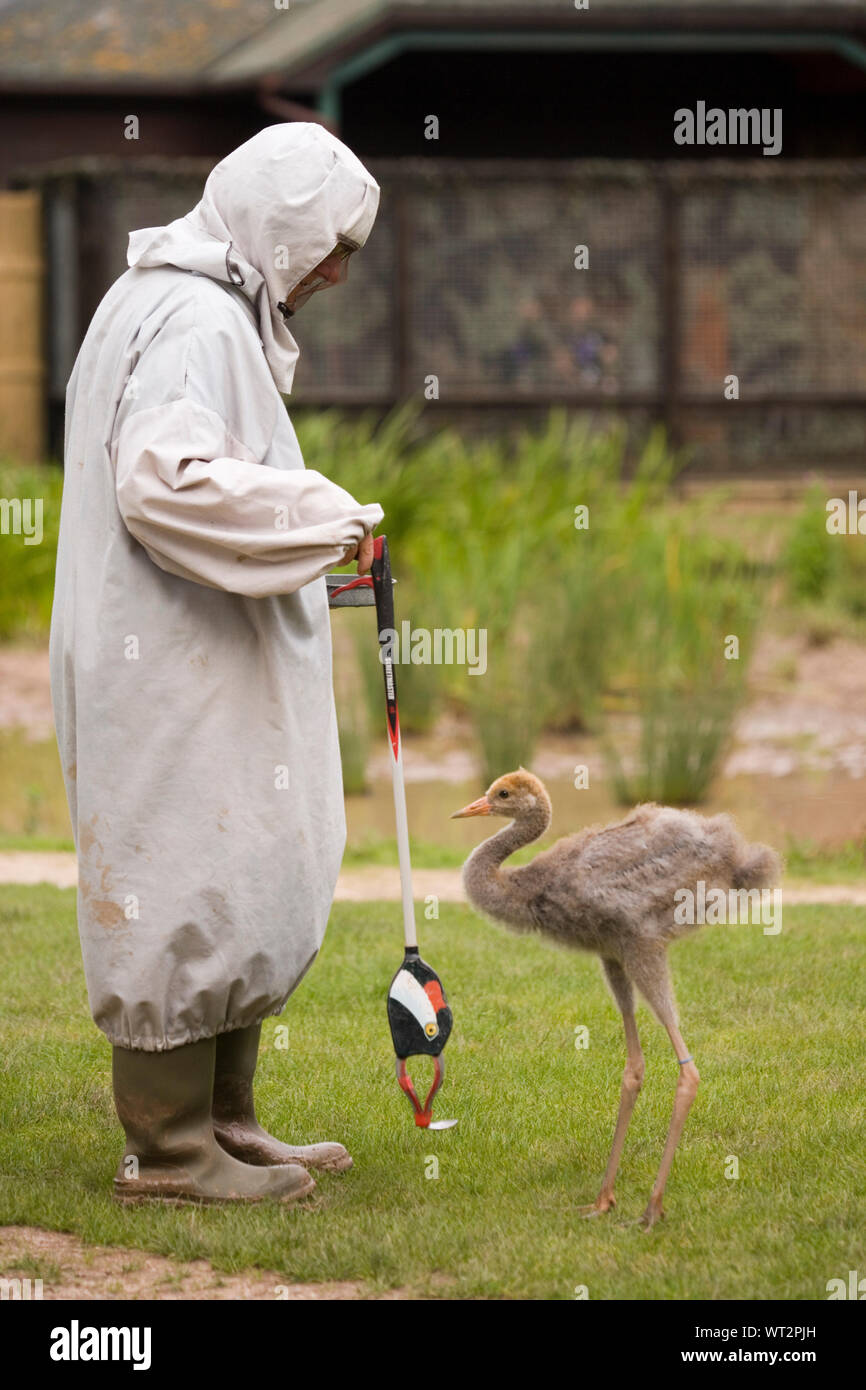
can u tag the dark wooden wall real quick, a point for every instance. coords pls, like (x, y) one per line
(35, 131)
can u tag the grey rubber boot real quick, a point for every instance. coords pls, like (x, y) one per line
(234, 1117)
(164, 1100)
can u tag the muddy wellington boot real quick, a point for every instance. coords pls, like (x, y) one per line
(234, 1117)
(164, 1103)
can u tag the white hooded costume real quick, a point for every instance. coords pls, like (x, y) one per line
(190, 637)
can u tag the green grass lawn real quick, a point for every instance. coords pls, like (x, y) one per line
(776, 1024)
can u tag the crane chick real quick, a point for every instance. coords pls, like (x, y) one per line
(614, 891)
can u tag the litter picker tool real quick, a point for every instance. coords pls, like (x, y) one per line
(418, 1011)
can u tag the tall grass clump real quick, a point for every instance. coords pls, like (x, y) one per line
(372, 459)
(810, 559)
(594, 511)
(825, 572)
(527, 545)
(481, 567)
(586, 581)
(689, 623)
(532, 551)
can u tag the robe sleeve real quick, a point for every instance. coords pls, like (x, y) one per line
(205, 509)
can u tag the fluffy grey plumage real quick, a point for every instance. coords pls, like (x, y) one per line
(606, 889)
(611, 890)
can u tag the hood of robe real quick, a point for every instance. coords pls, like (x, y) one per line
(270, 212)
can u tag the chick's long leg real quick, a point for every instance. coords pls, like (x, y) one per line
(687, 1087)
(631, 1083)
(649, 970)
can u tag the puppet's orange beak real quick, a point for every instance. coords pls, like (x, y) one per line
(481, 807)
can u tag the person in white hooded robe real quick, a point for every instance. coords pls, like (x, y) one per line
(191, 660)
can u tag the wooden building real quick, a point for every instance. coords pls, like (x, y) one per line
(92, 91)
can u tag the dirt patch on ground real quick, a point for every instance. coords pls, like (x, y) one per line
(69, 1269)
(59, 867)
(806, 712)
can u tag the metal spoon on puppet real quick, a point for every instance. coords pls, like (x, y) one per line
(418, 1011)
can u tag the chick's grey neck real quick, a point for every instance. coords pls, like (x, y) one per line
(487, 886)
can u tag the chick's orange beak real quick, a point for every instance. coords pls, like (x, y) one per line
(481, 807)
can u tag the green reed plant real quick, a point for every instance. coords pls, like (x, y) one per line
(480, 568)
(810, 559)
(695, 601)
(486, 539)
(825, 573)
(590, 573)
(377, 461)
